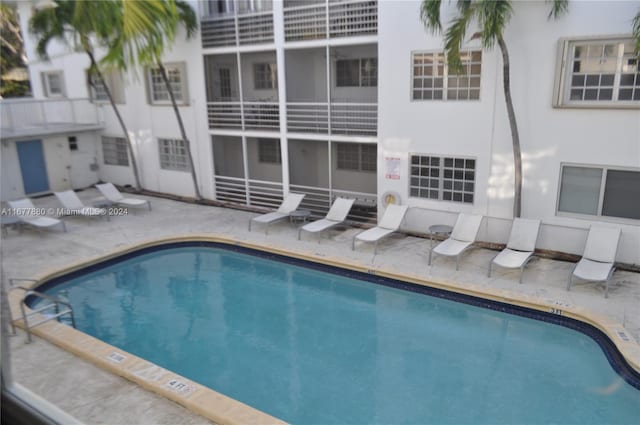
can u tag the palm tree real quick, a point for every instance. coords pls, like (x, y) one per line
(492, 17)
(148, 29)
(77, 23)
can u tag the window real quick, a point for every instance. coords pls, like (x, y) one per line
(356, 156)
(598, 73)
(225, 83)
(432, 79)
(158, 93)
(600, 191)
(265, 76)
(269, 151)
(173, 155)
(357, 72)
(53, 84)
(114, 151)
(73, 143)
(97, 90)
(443, 178)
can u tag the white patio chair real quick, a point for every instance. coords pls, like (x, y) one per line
(289, 205)
(74, 206)
(597, 263)
(462, 237)
(520, 247)
(26, 215)
(337, 215)
(112, 194)
(390, 223)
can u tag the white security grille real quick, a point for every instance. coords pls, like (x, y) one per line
(265, 194)
(308, 22)
(306, 117)
(224, 115)
(261, 116)
(351, 18)
(255, 28)
(318, 200)
(354, 118)
(217, 32)
(231, 189)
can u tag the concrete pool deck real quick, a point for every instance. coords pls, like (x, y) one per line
(100, 397)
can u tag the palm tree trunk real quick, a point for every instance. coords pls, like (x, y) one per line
(183, 132)
(134, 165)
(517, 154)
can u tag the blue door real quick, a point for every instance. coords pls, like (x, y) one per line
(32, 165)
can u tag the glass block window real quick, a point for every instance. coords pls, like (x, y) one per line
(114, 151)
(600, 191)
(265, 76)
(269, 151)
(432, 79)
(443, 178)
(600, 73)
(357, 72)
(356, 156)
(158, 93)
(173, 155)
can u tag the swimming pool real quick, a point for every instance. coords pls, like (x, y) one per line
(309, 343)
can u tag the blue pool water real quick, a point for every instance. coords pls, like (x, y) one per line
(312, 347)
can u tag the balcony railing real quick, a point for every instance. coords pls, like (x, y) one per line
(318, 200)
(347, 118)
(251, 28)
(32, 116)
(345, 19)
(257, 115)
(263, 194)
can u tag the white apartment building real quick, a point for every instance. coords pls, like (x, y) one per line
(354, 98)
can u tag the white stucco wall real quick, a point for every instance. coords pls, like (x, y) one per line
(480, 129)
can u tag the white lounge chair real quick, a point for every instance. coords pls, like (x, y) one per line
(26, 215)
(462, 237)
(337, 215)
(112, 194)
(289, 205)
(390, 223)
(74, 206)
(520, 247)
(597, 263)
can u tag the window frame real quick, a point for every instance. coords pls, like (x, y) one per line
(562, 86)
(46, 85)
(181, 100)
(73, 143)
(601, 193)
(445, 76)
(264, 148)
(270, 83)
(372, 81)
(115, 140)
(441, 189)
(169, 161)
(361, 168)
(115, 83)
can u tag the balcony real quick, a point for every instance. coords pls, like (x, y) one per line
(313, 20)
(344, 102)
(30, 117)
(254, 80)
(231, 23)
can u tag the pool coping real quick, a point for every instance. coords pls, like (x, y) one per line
(225, 410)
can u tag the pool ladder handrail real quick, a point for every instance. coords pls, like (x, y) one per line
(55, 303)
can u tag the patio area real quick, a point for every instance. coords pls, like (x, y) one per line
(95, 396)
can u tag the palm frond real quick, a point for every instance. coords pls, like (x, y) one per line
(430, 15)
(493, 17)
(558, 8)
(636, 31)
(187, 17)
(456, 33)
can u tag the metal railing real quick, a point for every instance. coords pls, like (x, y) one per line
(354, 118)
(229, 30)
(345, 19)
(231, 189)
(47, 114)
(308, 117)
(347, 118)
(224, 115)
(318, 200)
(261, 115)
(265, 194)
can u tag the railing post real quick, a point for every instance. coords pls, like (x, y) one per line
(43, 116)
(73, 111)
